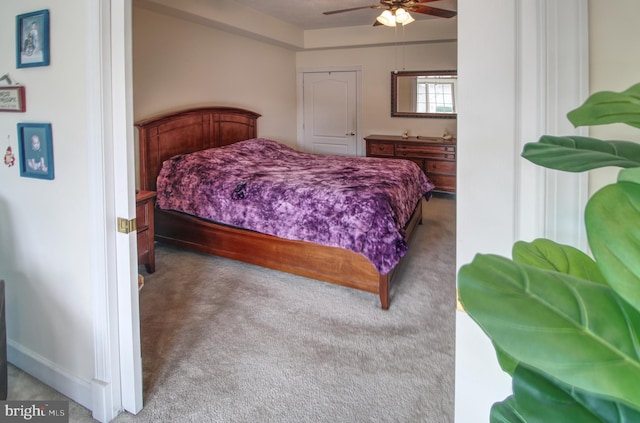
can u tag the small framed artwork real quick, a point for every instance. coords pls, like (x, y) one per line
(32, 39)
(12, 99)
(35, 145)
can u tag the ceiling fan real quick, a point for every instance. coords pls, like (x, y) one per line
(396, 11)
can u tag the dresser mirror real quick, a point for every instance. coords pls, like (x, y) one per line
(425, 94)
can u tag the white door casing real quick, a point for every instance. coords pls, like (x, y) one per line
(117, 383)
(105, 386)
(330, 112)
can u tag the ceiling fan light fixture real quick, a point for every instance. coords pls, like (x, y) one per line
(403, 17)
(397, 11)
(398, 16)
(386, 18)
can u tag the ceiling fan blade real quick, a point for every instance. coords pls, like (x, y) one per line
(333, 12)
(433, 11)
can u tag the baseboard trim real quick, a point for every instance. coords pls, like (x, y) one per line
(48, 373)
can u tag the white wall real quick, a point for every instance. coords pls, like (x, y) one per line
(487, 150)
(377, 63)
(428, 30)
(615, 66)
(231, 17)
(179, 64)
(44, 254)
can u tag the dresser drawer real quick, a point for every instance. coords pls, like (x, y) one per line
(426, 151)
(436, 157)
(438, 166)
(380, 149)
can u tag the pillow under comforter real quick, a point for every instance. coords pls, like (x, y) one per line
(357, 203)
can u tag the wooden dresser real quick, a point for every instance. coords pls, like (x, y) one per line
(435, 156)
(145, 202)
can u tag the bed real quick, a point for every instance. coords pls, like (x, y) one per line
(172, 140)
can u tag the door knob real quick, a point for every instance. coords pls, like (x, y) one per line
(350, 134)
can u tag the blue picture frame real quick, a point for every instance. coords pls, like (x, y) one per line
(32, 39)
(35, 146)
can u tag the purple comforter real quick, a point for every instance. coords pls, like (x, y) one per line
(356, 203)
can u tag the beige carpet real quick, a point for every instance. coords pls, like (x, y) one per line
(224, 341)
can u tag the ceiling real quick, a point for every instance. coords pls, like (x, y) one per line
(307, 14)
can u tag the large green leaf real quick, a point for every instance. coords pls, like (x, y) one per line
(578, 154)
(507, 363)
(539, 399)
(506, 412)
(630, 175)
(609, 107)
(580, 332)
(546, 254)
(612, 218)
(609, 411)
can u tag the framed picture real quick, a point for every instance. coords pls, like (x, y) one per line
(32, 39)
(35, 145)
(12, 99)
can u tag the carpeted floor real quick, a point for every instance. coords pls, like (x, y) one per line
(224, 341)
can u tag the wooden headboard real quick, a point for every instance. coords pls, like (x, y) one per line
(187, 131)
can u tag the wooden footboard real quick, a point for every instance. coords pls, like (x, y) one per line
(329, 264)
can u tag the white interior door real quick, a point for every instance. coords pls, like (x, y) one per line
(330, 114)
(125, 206)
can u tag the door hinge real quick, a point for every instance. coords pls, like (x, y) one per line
(126, 226)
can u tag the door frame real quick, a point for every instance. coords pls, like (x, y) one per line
(360, 147)
(117, 382)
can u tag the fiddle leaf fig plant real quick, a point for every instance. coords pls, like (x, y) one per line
(566, 326)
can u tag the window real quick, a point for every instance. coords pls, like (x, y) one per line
(434, 96)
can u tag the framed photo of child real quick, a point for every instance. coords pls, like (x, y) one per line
(35, 145)
(32, 39)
